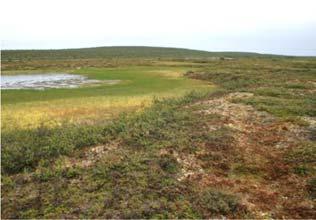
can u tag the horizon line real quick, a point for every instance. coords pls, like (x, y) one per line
(166, 47)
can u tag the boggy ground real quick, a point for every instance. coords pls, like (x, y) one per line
(28, 108)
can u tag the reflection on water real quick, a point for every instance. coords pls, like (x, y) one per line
(51, 80)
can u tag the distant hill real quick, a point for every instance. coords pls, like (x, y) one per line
(118, 52)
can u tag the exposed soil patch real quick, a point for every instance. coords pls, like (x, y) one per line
(89, 156)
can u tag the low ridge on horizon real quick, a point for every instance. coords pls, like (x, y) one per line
(122, 52)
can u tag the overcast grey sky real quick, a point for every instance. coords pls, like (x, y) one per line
(266, 26)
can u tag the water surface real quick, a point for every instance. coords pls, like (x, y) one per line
(47, 80)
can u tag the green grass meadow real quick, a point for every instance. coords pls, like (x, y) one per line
(137, 86)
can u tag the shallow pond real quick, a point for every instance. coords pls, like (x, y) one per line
(48, 80)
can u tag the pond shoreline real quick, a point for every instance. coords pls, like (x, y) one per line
(48, 80)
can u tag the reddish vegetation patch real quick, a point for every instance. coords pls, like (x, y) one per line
(252, 164)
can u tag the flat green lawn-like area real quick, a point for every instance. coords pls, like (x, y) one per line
(135, 81)
(29, 108)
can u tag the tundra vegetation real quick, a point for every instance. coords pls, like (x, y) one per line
(184, 134)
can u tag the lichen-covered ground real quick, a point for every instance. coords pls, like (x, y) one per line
(259, 161)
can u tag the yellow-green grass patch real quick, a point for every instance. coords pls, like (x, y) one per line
(98, 103)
